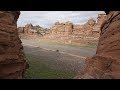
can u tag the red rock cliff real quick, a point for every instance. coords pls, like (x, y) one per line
(12, 60)
(106, 63)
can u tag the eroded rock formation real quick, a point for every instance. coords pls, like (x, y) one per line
(76, 34)
(60, 32)
(30, 31)
(88, 27)
(67, 32)
(105, 64)
(12, 60)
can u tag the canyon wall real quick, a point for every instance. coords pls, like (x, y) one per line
(31, 32)
(12, 59)
(76, 34)
(66, 32)
(105, 64)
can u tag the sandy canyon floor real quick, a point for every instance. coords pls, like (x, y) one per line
(48, 60)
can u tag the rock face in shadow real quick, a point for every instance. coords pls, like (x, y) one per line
(105, 64)
(12, 59)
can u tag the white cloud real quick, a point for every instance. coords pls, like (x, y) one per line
(48, 18)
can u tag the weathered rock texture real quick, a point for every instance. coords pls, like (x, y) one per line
(76, 34)
(106, 63)
(66, 32)
(31, 32)
(12, 60)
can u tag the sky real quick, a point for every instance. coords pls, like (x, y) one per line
(47, 18)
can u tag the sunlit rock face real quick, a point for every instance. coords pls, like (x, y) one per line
(106, 63)
(31, 32)
(75, 33)
(12, 59)
(66, 32)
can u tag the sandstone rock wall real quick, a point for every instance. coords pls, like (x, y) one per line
(66, 32)
(12, 60)
(20, 29)
(31, 32)
(78, 30)
(88, 27)
(101, 18)
(76, 34)
(28, 28)
(106, 63)
(60, 32)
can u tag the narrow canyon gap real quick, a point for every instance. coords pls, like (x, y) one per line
(104, 65)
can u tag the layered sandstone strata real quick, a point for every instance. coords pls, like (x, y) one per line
(12, 59)
(76, 34)
(31, 32)
(66, 32)
(105, 64)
